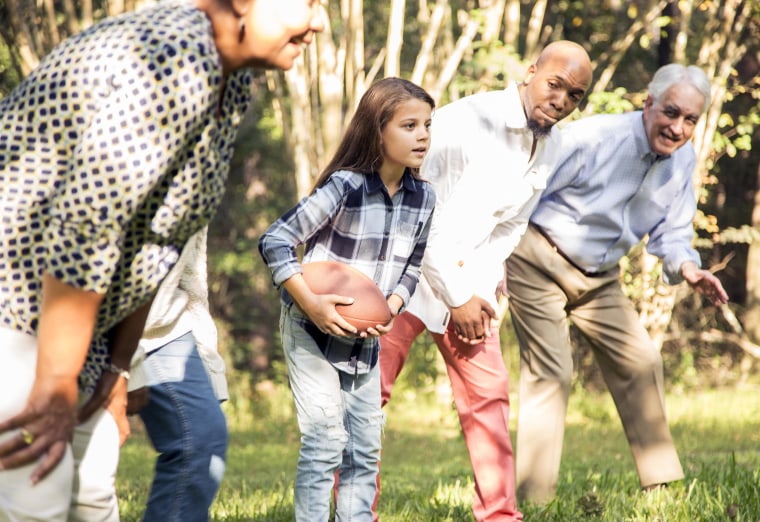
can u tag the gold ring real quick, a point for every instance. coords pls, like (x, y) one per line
(27, 436)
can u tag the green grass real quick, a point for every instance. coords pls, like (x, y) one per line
(426, 470)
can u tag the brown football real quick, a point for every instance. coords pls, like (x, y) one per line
(369, 308)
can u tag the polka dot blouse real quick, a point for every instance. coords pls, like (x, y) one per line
(113, 152)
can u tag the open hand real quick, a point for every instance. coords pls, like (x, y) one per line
(46, 427)
(704, 282)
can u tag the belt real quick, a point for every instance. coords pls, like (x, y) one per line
(565, 256)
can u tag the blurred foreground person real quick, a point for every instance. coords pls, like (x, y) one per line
(113, 152)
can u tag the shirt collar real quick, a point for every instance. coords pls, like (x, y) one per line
(408, 181)
(513, 110)
(642, 142)
(374, 183)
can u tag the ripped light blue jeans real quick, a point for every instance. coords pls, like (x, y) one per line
(341, 422)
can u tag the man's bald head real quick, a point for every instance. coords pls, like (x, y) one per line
(565, 50)
(555, 84)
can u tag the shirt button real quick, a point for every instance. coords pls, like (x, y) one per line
(381, 258)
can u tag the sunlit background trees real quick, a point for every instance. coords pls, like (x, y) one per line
(454, 48)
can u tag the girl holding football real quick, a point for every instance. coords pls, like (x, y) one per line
(370, 210)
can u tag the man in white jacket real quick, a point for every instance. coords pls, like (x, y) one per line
(489, 159)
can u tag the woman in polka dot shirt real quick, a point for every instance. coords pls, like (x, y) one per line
(113, 152)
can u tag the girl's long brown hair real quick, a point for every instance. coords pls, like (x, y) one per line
(360, 149)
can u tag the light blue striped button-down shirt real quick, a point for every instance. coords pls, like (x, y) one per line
(608, 191)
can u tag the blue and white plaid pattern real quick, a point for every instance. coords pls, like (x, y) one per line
(353, 219)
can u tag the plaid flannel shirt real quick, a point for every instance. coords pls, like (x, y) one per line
(353, 219)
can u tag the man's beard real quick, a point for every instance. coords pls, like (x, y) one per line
(538, 130)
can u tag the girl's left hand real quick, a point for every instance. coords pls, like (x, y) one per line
(394, 304)
(378, 330)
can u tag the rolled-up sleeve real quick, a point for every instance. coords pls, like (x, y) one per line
(277, 245)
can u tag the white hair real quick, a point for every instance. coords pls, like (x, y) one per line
(673, 73)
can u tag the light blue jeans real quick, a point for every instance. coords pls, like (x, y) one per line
(341, 423)
(187, 427)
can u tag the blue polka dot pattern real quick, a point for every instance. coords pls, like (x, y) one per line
(113, 152)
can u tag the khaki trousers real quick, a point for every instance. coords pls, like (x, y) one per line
(545, 292)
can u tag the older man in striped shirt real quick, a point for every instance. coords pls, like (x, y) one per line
(619, 179)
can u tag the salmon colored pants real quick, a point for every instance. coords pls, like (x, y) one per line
(480, 386)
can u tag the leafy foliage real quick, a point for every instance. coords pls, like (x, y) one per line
(246, 304)
(262, 182)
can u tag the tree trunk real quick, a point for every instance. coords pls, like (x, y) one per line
(464, 42)
(751, 317)
(425, 55)
(18, 15)
(679, 51)
(87, 19)
(512, 23)
(300, 125)
(534, 30)
(718, 56)
(115, 7)
(331, 66)
(52, 26)
(395, 39)
(70, 14)
(494, 10)
(354, 74)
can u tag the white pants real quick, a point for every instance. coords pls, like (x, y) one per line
(81, 487)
